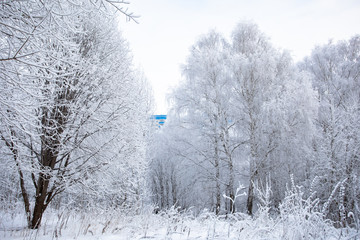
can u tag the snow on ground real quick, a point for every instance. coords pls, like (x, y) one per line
(167, 225)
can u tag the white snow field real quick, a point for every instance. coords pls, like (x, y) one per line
(169, 225)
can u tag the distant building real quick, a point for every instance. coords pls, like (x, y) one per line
(158, 120)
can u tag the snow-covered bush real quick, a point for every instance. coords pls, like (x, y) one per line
(298, 217)
(301, 217)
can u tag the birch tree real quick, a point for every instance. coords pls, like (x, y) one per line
(200, 103)
(267, 107)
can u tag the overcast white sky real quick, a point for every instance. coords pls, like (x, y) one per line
(167, 28)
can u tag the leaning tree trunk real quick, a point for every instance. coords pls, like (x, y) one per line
(24, 195)
(43, 195)
(40, 197)
(10, 144)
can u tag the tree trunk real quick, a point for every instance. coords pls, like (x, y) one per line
(40, 205)
(24, 193)
(25, 196)
(173, 188)
(217, 178)
(23, 190)
(250, 199)
(232, 202)
(253, 159)
(218, 198)
(251, 194)
(43, 196)
(231, 186)
(38, 213)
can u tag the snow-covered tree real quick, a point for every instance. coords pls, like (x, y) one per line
(242, 113)
(202, 104)
(273, 107)
(335, 71)
(70, 100)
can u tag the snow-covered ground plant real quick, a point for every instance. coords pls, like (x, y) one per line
(298, 219)
(301, 218)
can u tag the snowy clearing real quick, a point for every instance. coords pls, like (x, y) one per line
(167, 225)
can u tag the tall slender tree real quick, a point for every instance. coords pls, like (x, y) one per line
(267, 107)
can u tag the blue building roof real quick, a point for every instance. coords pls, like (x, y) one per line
(158, 117)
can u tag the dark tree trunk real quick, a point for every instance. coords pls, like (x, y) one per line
(218, 198)
(40, 204)
(24, 193)
(174, 188)
(43, 195)
(232, 202)
(250, 199)
(25, 196)
(38, 212)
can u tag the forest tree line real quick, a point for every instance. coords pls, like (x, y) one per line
(247, 119)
